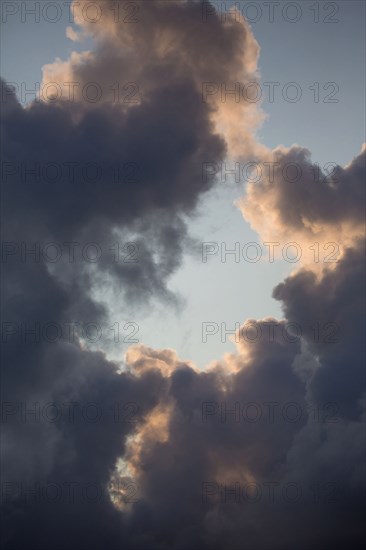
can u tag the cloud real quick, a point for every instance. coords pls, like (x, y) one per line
(316, 205)
(73, 35)
(132, 158)
(75, 172)
(168, 42)
(279, 410)
(331, 311)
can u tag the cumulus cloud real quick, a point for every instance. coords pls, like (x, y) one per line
(131, 156)
(78, 171)
(211, 450)
(170, 42)
(282, 410)
(315, 205)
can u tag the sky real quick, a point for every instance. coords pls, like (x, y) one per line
(306, 122)
(183, 303)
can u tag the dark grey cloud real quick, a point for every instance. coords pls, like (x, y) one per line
(165, 184)
(180, 436)
(60, 185)
(336, 301)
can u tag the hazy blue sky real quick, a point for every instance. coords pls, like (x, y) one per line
(305, 52)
